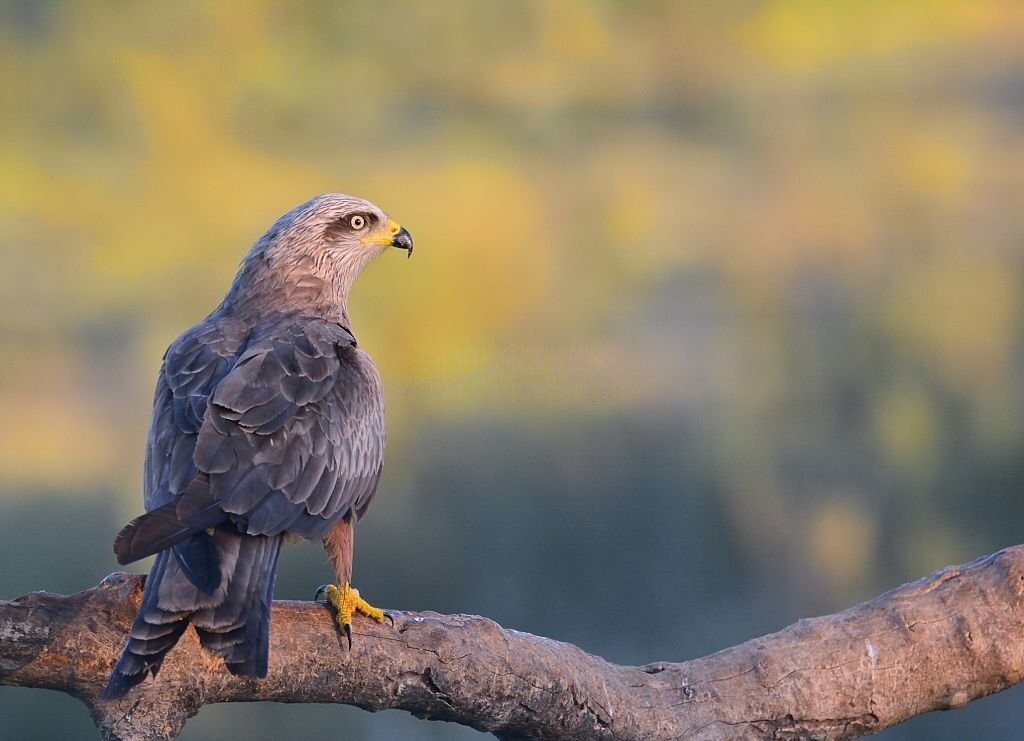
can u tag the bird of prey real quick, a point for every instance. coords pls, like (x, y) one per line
(268, 421)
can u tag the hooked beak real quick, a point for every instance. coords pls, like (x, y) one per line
(403, 240)
(391, 235)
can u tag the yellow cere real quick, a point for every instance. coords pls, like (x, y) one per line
(383, 236)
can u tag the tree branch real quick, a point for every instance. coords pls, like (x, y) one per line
(937, 643)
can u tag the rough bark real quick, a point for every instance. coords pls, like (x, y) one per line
(935, 644)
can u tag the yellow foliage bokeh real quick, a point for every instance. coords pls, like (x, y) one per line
(616, 206)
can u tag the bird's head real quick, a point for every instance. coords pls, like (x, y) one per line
(356, 227)
(336, 228)
(309, 259)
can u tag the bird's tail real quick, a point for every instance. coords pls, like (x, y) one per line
(154, 633)
(232, 622)
(238, 629)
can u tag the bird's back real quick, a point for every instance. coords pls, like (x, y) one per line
(286, 420)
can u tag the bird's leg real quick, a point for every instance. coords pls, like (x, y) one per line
(346, 601)
(344, 597)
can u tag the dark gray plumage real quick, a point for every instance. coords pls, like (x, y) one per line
(267, 420)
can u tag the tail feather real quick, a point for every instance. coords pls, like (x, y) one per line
(153, 634)
(152, 631)
(238, 630)
(197, 556)
(255, 664)
(232, 622)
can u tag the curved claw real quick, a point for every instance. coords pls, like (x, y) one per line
(347, 602)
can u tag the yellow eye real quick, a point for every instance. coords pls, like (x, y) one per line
(357, 222)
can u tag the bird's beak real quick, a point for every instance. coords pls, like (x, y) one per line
(392, 235)
(402, 240)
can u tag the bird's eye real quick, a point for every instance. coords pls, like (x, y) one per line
(357, 222)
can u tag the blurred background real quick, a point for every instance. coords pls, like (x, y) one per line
(716, 304)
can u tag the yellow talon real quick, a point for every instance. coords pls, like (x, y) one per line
(347, 602)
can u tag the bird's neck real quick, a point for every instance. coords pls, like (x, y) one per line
(305, 285)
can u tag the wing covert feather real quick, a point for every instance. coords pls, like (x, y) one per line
(193, 366)
(293, 436)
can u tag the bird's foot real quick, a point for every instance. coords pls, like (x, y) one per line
(346, 601)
